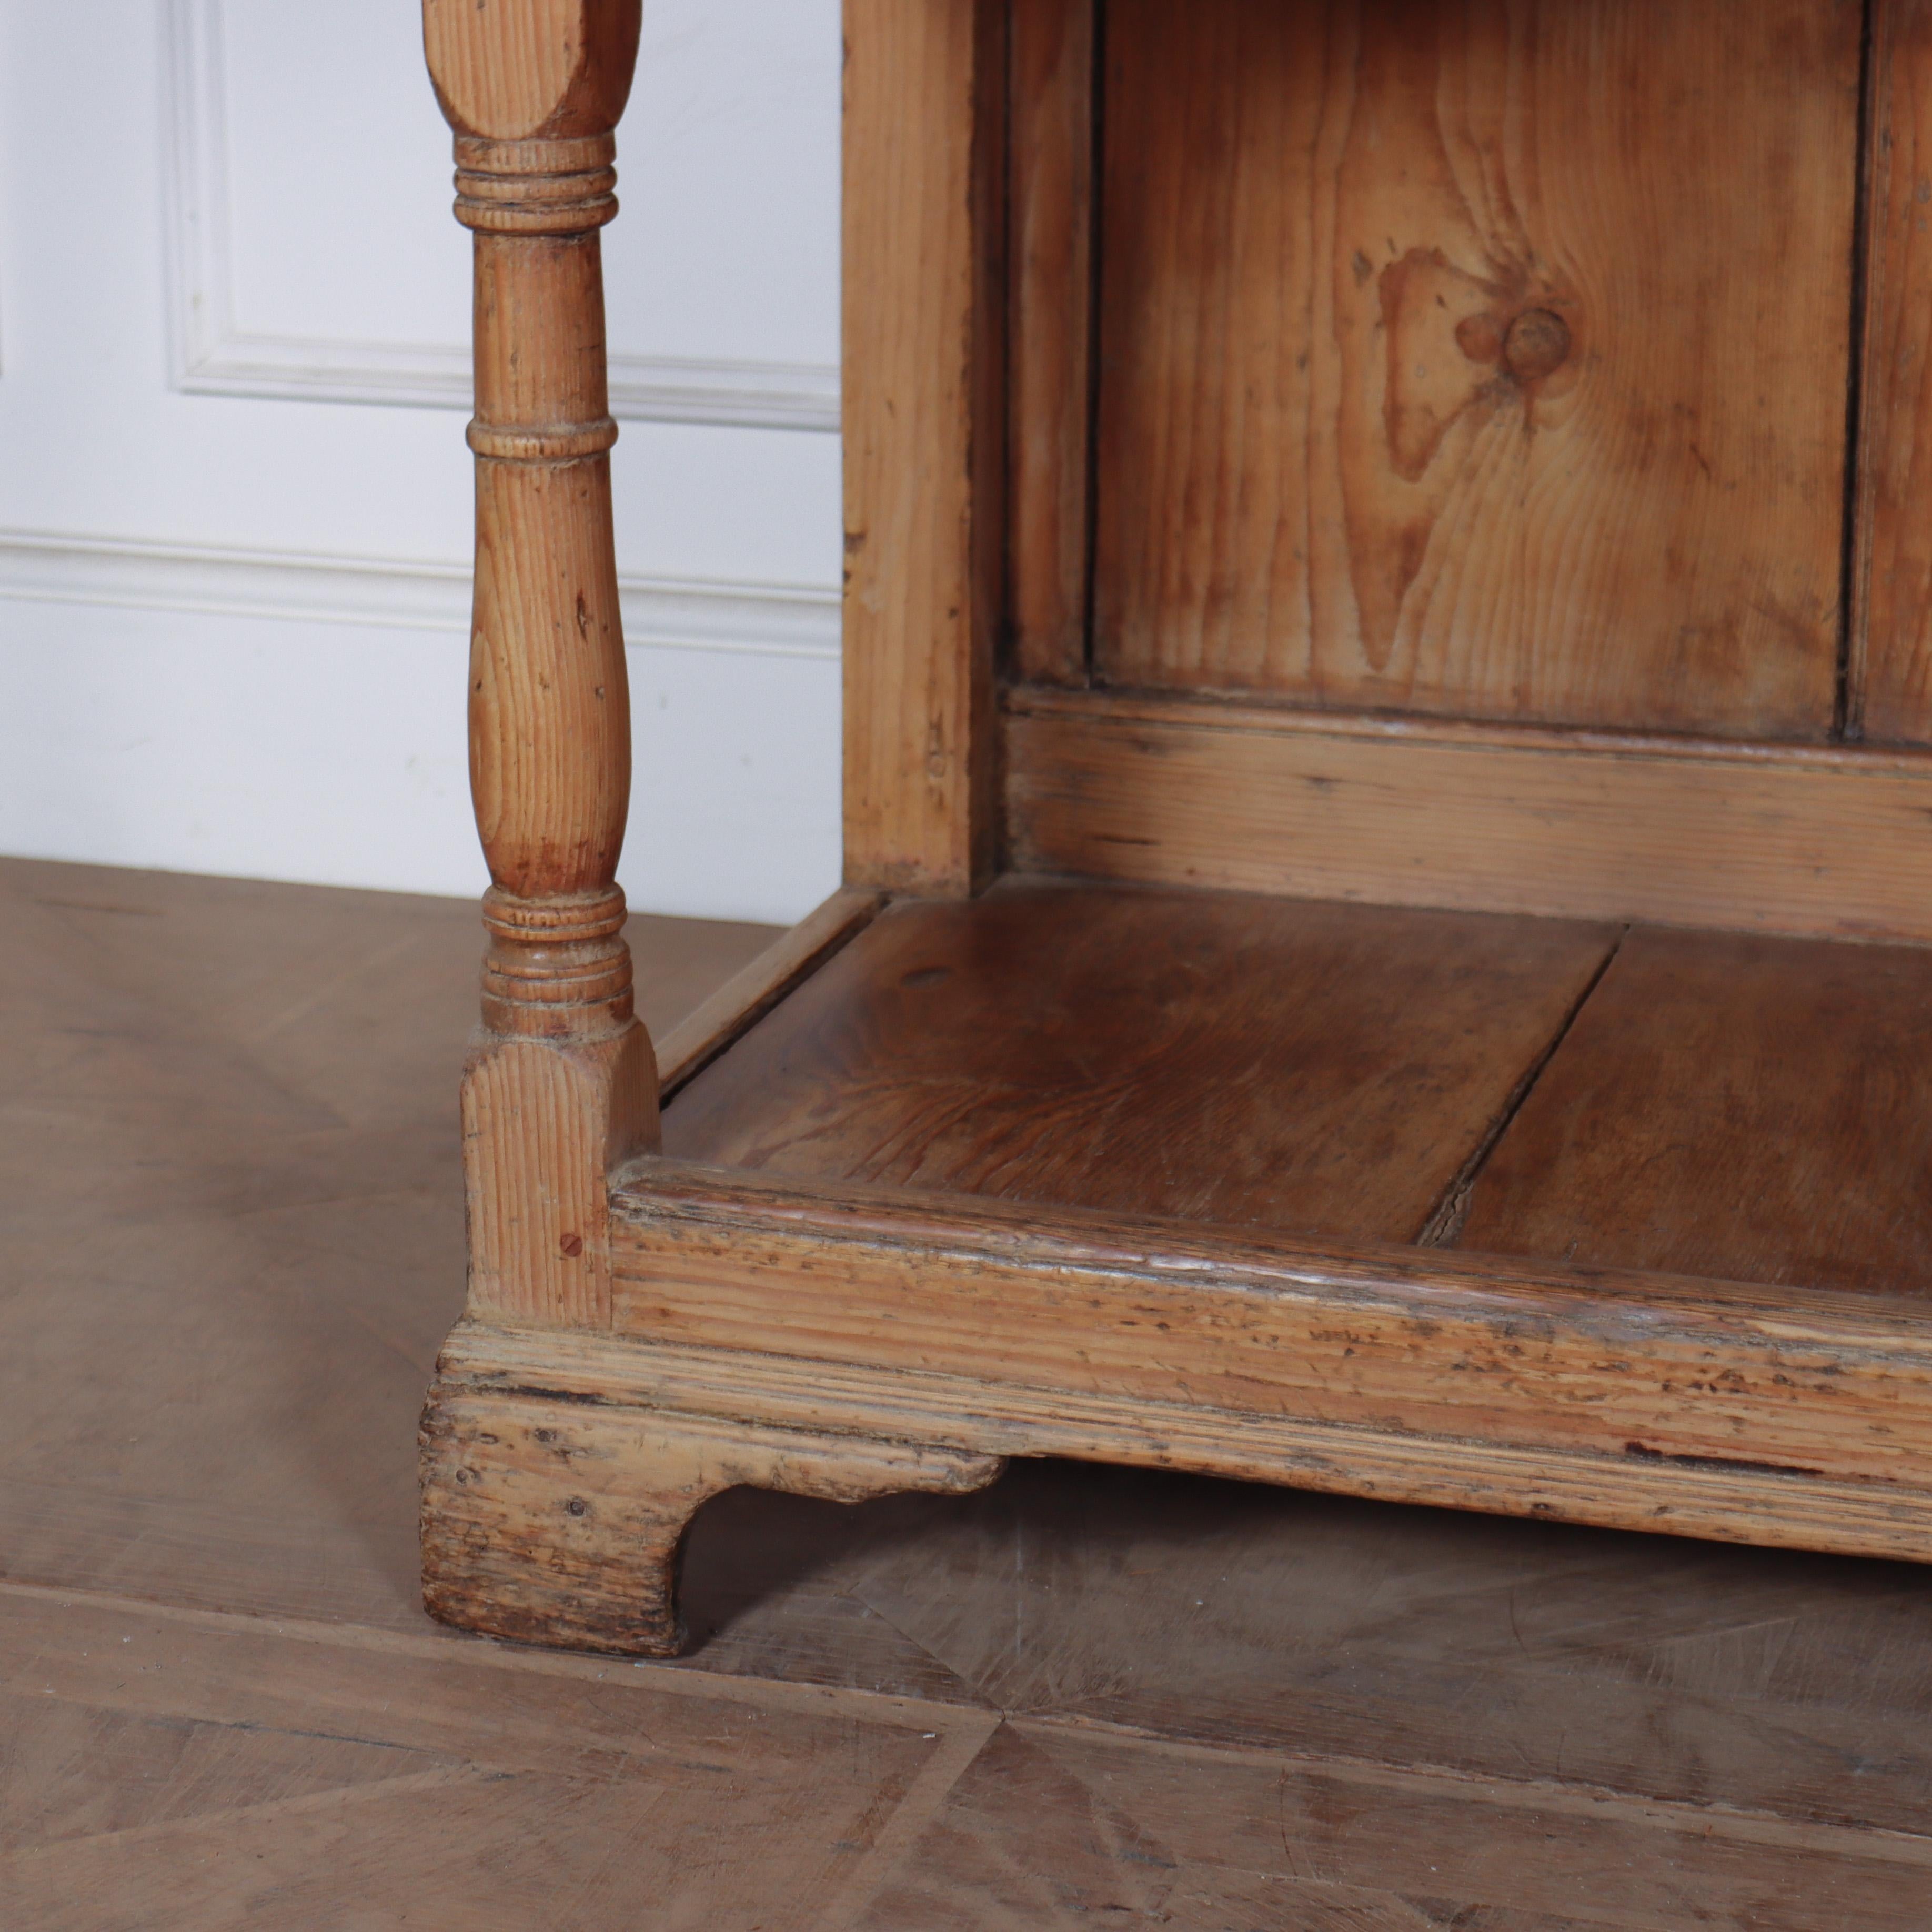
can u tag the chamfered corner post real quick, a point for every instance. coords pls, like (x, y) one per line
(561, 1085)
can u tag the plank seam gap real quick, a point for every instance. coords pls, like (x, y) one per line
(1847, 699)
(1096, 189)
(1444, 1227)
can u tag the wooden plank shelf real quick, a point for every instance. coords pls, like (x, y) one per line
(1717, 1104)
(1514, 1214)
(1244, 1061)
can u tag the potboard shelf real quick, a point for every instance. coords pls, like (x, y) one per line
(1726, 1105)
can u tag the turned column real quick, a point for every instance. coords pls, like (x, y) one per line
(561, 1084)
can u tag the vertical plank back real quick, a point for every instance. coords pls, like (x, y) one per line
(1481, 360)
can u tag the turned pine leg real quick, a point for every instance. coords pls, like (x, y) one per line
(549, 1514)
(561, 1084)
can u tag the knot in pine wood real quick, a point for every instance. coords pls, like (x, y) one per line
(1537, 345)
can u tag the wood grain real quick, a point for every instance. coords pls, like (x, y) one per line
(727, 1015)
(547, 1521)
(1168, 1833)
(1889, 697)
(1145, 1604)
(1239, 1061)
(1459, 357)
(260, 1076)
(924, 437)
(1503, 819)
(201, 1774)
(561, 1084)
(1732, 1106)
(1050, 379)
(1444, 370)
(239, 1093)
(543, 1122)
(550, 725)
(950, 1385)
(540, 69)
(1465, 1345)
(232, 1772)
(1650, 1403)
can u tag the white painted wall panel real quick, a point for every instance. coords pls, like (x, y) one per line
(133, 737)
(236, 503)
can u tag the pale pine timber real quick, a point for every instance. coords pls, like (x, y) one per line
(1234, 1059)
(1488, 364)
(573, 1544)
(1523, 1388)
(560, 1082)
(752, 992)
(1826, 840)
(1776, 1699)
(550, 1517)
(924, 409)
(1483, 361)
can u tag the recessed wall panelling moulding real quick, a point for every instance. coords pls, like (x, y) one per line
(214, 353)
(756, 620)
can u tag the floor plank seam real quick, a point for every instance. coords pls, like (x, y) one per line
(979, 1722)
(975, 1701)
(924, 1800)
(689, 1679)
(1745, 1822)
(386, 1789)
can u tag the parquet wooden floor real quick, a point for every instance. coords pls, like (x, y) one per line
(230, 1239)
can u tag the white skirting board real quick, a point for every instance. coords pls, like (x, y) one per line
(296, 718)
